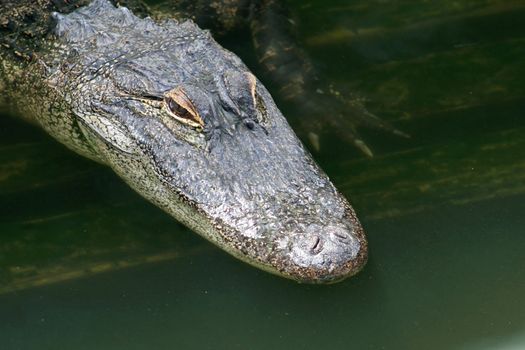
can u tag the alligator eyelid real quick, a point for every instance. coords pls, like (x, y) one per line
(152, 100)
(253, 88)
(153, 97)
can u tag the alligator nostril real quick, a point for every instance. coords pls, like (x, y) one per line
(317, 246)
(342, 237)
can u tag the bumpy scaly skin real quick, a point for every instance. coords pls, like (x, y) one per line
(103, 83)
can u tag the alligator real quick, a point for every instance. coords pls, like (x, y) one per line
(184, 123)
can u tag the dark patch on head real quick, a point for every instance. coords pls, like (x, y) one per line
(249, 124)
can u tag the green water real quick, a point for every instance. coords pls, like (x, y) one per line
(87, 264)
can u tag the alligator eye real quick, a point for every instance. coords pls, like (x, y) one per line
(181, 108)
(180, 111)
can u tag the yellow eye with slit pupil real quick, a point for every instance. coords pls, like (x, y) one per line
(180, 111)
(180, 106)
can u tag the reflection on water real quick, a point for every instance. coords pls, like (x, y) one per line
(508, 343)
(85, 263)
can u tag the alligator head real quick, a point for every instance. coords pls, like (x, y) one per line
(185, 123)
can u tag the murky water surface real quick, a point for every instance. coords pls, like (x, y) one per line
(87, 264)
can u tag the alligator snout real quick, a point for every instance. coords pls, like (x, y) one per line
(325, 254)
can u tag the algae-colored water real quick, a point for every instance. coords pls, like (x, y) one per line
(85, 263)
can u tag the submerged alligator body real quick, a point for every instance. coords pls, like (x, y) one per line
(185, 124)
